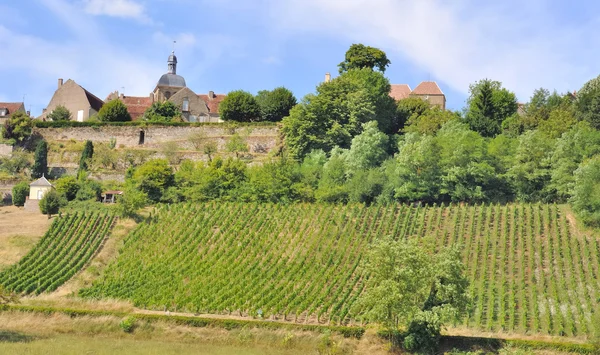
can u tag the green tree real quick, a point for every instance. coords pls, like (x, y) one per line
(276, 104)
(153, 178)
(165, 111)
(86, 157)
(17, 127)
(368, 150)
(336, 113)
(413, 286)
(131, 201)
(236, 144)
(586, 192)
(488, 105)
(360, 56)
(407, 108)
(239, 106)
(332, 186)
(19, 193)
(60, 113)
(88, 190)
(40, 163)
(430, 121)
(209, 149)
(68, 186)
(51, 203)
(114, 111)
(587, 104)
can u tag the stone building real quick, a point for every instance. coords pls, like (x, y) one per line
(172, 87)
(426, 90)
(81, 103)
(8, 108)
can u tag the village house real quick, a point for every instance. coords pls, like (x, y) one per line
(81, 103)
(426, 90)
(172, 87)
(8, 108)
(37, 190)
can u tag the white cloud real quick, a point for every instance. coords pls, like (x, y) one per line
(116, 8)
(458, 42)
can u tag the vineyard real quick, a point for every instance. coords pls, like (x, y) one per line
(68, 245)
(531, 271)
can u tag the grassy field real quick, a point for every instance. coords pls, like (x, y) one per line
(531, 270)
(17, 238)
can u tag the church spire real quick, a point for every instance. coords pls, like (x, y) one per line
(172, 63)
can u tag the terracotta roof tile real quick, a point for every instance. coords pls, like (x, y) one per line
(213, 103)
(399, 91)
(427, 88)
(12, 107)
(136, 105)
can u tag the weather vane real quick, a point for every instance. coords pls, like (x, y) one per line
(174, 45)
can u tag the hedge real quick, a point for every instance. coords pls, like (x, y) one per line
(198, 322)
(66, 124)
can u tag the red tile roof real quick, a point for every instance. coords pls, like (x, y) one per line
(427, 88)
(213, 103)
(13, 107)
(399, 91)
(136, 105)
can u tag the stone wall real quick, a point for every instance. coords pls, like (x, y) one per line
(5, 150)
(260, 139)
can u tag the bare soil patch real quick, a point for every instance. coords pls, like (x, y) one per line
(20, 230)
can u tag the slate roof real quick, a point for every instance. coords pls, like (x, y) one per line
(427, 88)
(94, 101)
(171, 80)
(41, 182)
(399, 91)
(213, 102)
(12, 107)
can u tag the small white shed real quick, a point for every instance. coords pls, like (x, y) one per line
(38, 188)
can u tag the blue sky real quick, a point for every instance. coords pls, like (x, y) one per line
(224, 45)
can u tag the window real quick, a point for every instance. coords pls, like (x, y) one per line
(3, 112)
(167, 95)
(185, 107)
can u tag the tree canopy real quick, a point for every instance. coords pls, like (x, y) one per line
(489, 104)
(360, 56)
(114, 111)
(40, 164)
(17, 127)
(239, 106)
(275, 104)
(165, 111)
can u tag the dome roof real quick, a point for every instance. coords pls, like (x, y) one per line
(172, 80)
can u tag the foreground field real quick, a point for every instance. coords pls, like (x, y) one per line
(531, 271)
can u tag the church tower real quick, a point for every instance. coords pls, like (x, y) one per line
(170, 83)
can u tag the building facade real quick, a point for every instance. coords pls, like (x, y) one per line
(426, 90)
(81, 103)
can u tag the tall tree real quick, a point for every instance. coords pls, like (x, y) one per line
(360, 56)
(86, 157)
(60, 113)
(336, 113)
(239, 106)
(587, 103)
(114, 111)
(414, 287)
(276, 104)
(489, 104)
(40, 164)
(51, 203)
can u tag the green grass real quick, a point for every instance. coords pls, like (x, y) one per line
(531, 271)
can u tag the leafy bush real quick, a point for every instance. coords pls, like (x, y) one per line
(19, 193)
(114, 111)
(423, 334)
(60, 113)
(51, 203)
(18, 127)
(239, 106)
(128, 324)
(68, 186)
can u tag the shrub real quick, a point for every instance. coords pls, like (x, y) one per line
(114, 111)
(60, 113)
(128, 324)
(239, 106)
(17, 127)
(68, 186)
(19, 193)
(422, 335)
(51, 203)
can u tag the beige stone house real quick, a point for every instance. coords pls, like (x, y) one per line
(426, 90)
(81, 103)
(172, 87)
(39, 188)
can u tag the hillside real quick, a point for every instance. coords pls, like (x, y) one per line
(531, 271)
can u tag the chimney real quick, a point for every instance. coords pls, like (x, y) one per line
(211, 94)
(44, 110)
(29, 113)
(327, 77)
(60, 83)
(121, 96)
